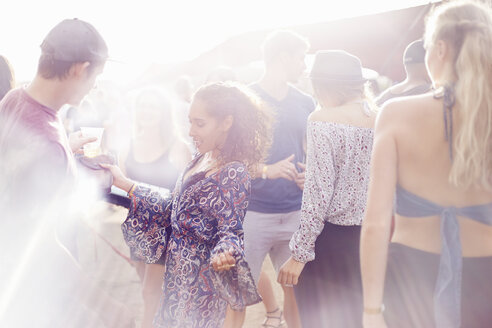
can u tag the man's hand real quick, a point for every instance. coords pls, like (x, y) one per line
(77, 140)
(283, 169)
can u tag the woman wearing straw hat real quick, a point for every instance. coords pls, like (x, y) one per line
(339, 142)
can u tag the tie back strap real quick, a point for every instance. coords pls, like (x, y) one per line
(448, 100)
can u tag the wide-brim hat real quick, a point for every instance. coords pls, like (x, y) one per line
(341, 66)
(74, 40)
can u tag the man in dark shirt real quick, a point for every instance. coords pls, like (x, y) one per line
(276, 194)
(41, 282)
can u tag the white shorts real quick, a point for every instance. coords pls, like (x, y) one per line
(268, 233)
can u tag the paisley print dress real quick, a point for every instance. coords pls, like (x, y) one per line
(206, 215)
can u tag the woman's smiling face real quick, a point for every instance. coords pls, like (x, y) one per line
(207, 132)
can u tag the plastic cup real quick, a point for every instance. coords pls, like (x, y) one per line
(92, 149)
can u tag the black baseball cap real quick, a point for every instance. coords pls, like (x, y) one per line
(414, 53)
(74, 40)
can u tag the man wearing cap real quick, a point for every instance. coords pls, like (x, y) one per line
(417, 81)
(41, 283)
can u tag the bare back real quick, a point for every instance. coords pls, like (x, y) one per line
(423, 166)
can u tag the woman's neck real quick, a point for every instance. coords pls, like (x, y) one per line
(448, 77)
(207, 163)
(214, 153)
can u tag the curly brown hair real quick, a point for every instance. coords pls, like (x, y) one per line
(250, 136)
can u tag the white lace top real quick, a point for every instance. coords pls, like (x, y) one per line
(337, 179)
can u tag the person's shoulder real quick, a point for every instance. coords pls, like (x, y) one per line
(301, 100)
(301, 94)
(317, 116)
(409, 103)
(180, 153)
(403, 110)
(14, 92)
(385, 96)
(233, 173)
(236, 166)
(11, 100)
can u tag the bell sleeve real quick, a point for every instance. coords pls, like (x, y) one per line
(144, 230)
(236, 286)
(317, 195)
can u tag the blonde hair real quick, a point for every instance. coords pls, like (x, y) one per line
(466, 26)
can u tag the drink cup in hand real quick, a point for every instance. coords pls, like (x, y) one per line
(92, 149)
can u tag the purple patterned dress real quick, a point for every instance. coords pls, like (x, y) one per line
(206, 215)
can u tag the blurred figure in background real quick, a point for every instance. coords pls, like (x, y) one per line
(7, 79)
(156, 156)
(339, 143)
(67, 115)
(116, 118)
(183, 89)
(434, 153)
(417, 80)
(86, 115)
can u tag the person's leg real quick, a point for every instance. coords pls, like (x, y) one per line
(257, 240)
(291, 313)
(257, 243)
(274, 315)
(151, 291)
(279, 254)
(234, 319)
(140, 268)
(266, 291)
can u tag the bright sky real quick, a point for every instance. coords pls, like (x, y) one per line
(143, 32)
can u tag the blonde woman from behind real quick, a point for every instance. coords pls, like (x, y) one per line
(434, 152)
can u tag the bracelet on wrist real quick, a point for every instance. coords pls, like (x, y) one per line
(378, 310)
(132, 189)
(264, 172)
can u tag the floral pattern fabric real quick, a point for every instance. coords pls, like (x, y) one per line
(337, 179)
(206, 215)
